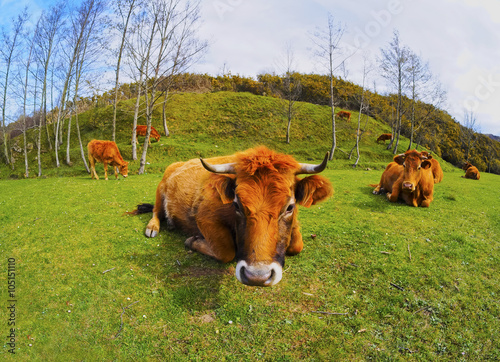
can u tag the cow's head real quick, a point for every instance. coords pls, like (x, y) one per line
(413, 162)
(466, 166)
(123, 168)
(265, 193)
(155, 135)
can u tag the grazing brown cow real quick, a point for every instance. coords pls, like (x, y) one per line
(242, 206)
(108, 153)
(471, 171)
(415, 182)
(437, 171)
(383, 137)
(141, 131)
(344, 115)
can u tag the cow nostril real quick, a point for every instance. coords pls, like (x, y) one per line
(258, 275)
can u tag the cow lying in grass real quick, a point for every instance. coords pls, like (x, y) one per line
(471, 171)
(108, 153)
(408, 178)
(243, 206)
(437, 171)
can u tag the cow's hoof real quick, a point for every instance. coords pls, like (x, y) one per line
(189, 242)
(151, 233)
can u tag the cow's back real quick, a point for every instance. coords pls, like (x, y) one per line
(97, 149)
(392, 172)
(104, 151)
(437, 171)
(185, 185)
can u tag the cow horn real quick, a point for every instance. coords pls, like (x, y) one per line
(306, 168)
(222, 168)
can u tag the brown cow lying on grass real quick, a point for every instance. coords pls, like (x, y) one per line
(344, 115)
(141, 131)
(408, 178)
(108, 153)
(242, 206)
(437, 171)
(471, 171)
(383, 137)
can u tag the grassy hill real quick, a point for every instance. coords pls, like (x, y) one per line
(209, 124)
(379, 281)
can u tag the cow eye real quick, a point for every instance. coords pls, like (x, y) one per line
(236, 206)
(404, 165)
(290, 208)
(418, 168)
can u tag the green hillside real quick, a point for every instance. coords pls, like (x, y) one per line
(209, 124)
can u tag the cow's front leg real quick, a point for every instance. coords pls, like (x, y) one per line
(215, 241)
(394, 194)
(153, 227)
(105, 170)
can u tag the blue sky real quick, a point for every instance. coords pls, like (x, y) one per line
(459, 38)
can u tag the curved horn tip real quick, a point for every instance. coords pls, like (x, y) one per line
(206, 165)
(312, 169)
(220, 168)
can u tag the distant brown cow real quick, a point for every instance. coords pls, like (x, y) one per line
(141, 131)
(384, 137)
(108, 153)
(436, 169)
(344, 115)
(471, 171)
(415, 182)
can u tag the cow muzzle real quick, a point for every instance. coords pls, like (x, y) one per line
(408, 186)
(260, 274)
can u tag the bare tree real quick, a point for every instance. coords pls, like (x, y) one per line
(419, 77)
(25, 97)
(327, 43)
(89, 25)
(138, 48)
(82, 26)
(125, 16)
(50, 24)
(291, 88)
(433, 99)
(468, 133)
(185, 50)
(363, 107)
(8, 50)
(394, 63)
(167, 45)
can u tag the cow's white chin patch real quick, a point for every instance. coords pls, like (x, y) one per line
(260, 274)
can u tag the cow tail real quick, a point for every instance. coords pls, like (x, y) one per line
(142, 209)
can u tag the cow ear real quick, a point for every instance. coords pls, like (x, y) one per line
(223, 187)
(426, 164)
(399, 159)
(313, 189)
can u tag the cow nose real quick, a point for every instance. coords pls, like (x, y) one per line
(408, 185)
(261, 274)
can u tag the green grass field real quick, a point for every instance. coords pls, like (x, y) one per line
(380, 281)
